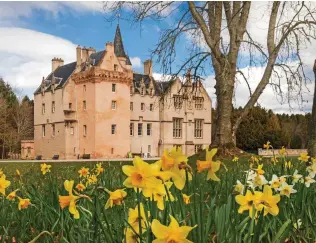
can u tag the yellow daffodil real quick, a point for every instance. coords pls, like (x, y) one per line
(18, 172)
(80, 187)
(288, 164)
(4, 184)
(282, 151)
(70, 200)
(92, 179)
(84, 172)
(186, 198)
(235, 159)
(172, 233)
(116, 198)
(239, 188)
(275, 182)
(12, 195)
(286, 189)
(45, 168)
(133, 218)
(249, 202)
(1, 172)
(267, 145)
(304, 157)
(176, 162)
(140, 175)
(130, 236)
(270, 201)
(159, 194)
(24, 203)
(311, 170)
(161, 175)
(209, 165)
(259, 170)
(274, 160)
(99, 168)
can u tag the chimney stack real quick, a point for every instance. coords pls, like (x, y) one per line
(78, 53)
(148, 69)
(57, 62)
(84, 54)
(109, 47)
(91, 51)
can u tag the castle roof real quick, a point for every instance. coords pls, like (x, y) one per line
(118, 43)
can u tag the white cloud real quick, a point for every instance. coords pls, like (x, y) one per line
(29, 59)
(136, 62)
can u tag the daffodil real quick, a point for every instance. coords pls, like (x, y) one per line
(275, 182)
(160, 194)
(140, 175)
(270, 201)
(258, 181)
(249, 202)
(99, 169)
(23, 203)
(282, 151)
(267, 145)
(80, 187)
(158, 173)
(259, 170)
(4, 184)
(296, 177)
(45, 168)
(308, 181)
(18, 172)
(274, 160)
(304, 157)
(92, 179)
(235, 159)
(186, 198)
(172, 233)
(288, 164)
(130, 236)
(239, 188)
(286, 189)
(134, 217)
(209, 165)
(116, 198)
(176, 162)
(84, 172)
(12, 195)
(1, 172)
(70, 200)
(311, 170)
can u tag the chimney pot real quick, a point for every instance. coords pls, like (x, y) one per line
(148, 70)
(56, 62)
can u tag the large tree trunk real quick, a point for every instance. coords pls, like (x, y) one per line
(312, 137)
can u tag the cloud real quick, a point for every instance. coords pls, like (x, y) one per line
(29, 59)
(136, 62)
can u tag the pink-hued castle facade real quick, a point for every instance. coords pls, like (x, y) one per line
(98, 106)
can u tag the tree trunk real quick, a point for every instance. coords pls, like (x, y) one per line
(312, 138)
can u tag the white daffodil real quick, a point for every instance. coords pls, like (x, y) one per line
(296, 177)
(259, 181)
(239, 187)
(286, 189)
(311, 170)
(297, 224)
(308, 181)
(275, 182)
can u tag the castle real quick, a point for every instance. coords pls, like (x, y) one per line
(98, 106)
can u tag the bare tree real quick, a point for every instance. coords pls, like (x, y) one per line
(220, 38)
(312, 137)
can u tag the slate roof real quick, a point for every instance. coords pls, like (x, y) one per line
(118, 43)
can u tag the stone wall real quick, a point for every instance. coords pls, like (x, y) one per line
(289, 152)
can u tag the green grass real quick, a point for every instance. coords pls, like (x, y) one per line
(212, 208)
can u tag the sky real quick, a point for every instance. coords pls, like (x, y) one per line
(32, 33)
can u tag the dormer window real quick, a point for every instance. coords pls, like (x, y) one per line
(177, 101)
(151, 91)
(115, 67)
(199, 103)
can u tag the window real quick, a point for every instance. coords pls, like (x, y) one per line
(43, 108)
(131, 129)
(131, 89)
(84, 88)
(177, 127)
(84, 130)
(151, 107)
(113, 88)
(142, 91)
(198, 128)
(84, 105)
(115, 67)
(53, 106)
(142, 106)
(70, 106)
(53, 130)
(199, 103)
(177, 101)
(149, 148)
(151, 91)
(131, 106)
(178, 146)
(113, 105)
(197, 148)
(140, 129)
(112, 150)
(113, 129)
(148, 129)
(43, 131)
(72, 130)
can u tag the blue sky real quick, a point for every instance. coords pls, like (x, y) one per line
(32, 33)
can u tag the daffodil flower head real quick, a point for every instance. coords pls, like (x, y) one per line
(23, 203)
(260, 171)
(84, 172)
(239, 188)
(209, 165)
(282, 151)
(134, 217)
(275, 182)
(45, 168)
(172, 233)
(12, 195)
(70, 200)
(116, 198)
(130, 236)
(249, 202)
(308, 181)
(99, 168)
(186, 198)
(286, 189)
(267, 145)
(80, 187)
(311, 170)
(304, 157)
(269, 201)
(296, 177)
(235, 159)
(160, 194)
(4, 184)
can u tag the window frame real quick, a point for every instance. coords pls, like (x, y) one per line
(177, 127)
(142, 106)
(72, 130)
(43, 108)
(53, 107)
(84, 105)
(140, 129)
(151, 107)
(149, 125)
(131, 129)
(53, 130)
(113, 129)
(85, 130)
(177, 101)
(113, 86)
(113, 102)
(43, 130)
(131, 106)
(198, 128)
